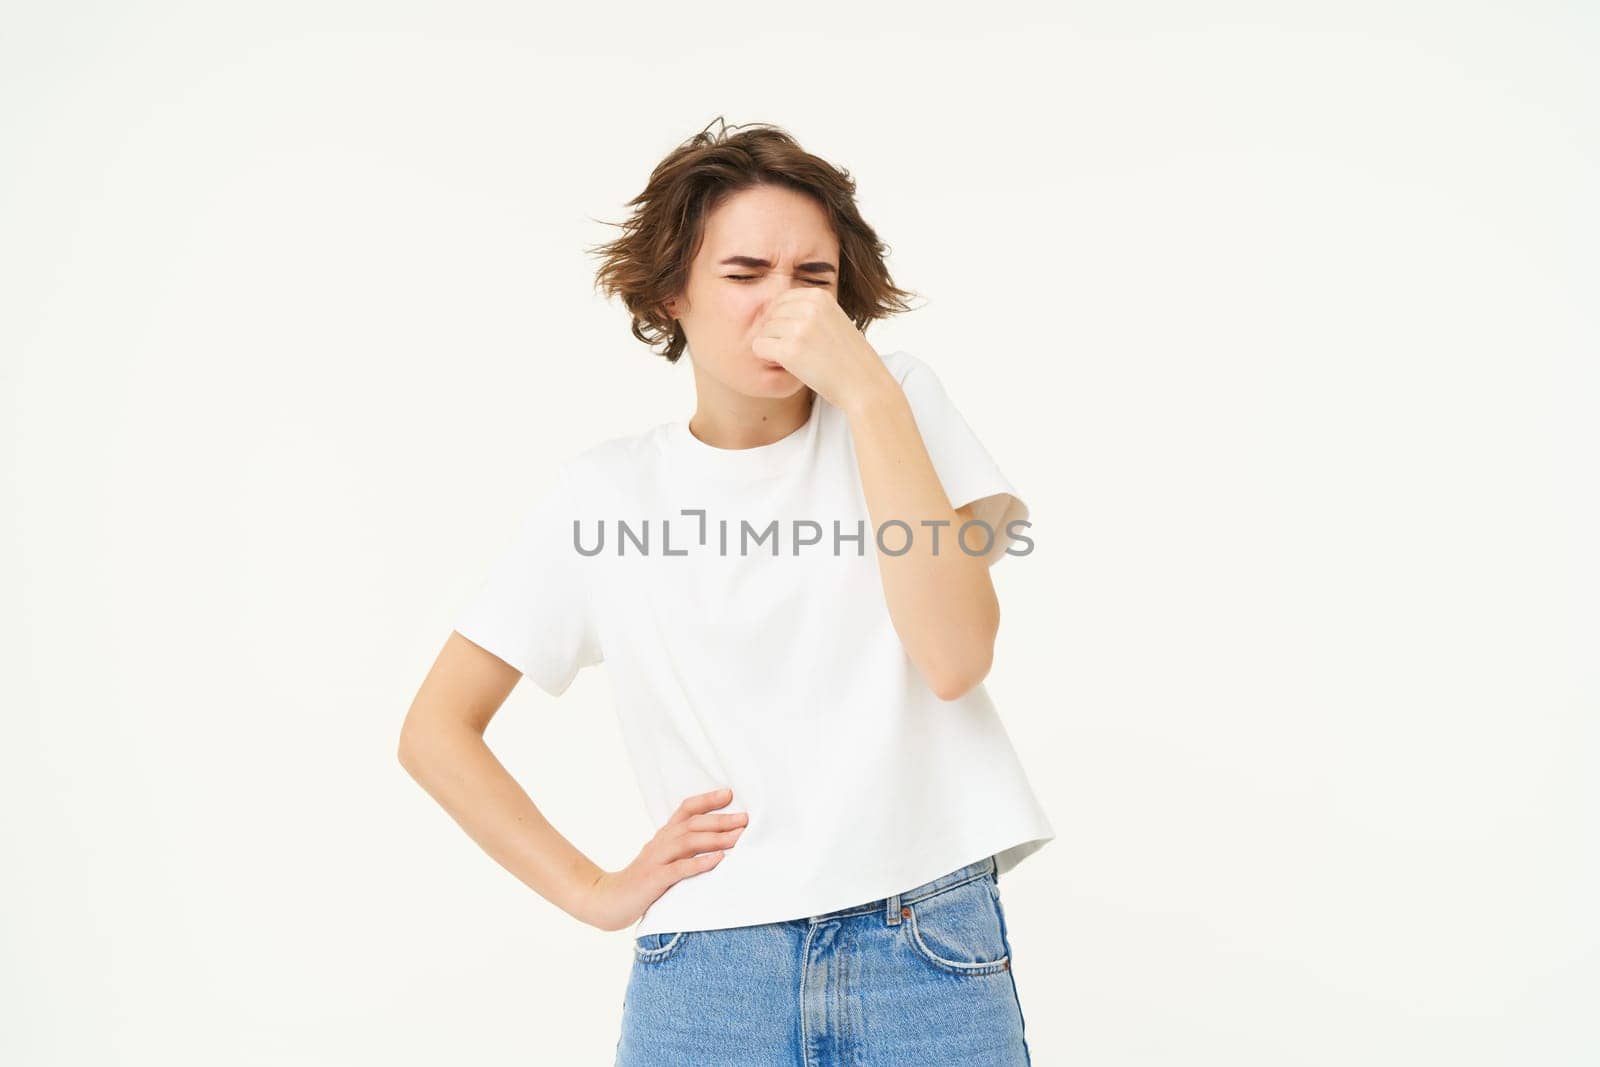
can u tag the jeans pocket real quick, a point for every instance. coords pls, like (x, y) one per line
(958, 929)
(653, 948)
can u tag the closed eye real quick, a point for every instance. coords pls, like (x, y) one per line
(748, 277)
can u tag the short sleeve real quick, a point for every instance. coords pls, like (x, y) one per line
(966, 470)
(535, 609)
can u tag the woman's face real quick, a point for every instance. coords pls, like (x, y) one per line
(728, 289)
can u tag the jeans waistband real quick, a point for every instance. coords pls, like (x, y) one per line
(890, 906)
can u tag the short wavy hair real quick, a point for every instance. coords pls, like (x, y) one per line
(649, 262)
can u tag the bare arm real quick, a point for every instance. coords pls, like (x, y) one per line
(944, 607)
(442, 746)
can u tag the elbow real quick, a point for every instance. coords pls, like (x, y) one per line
(956, 678)
(428, 738)
(960, 660)
(409, 750)
(954, 687)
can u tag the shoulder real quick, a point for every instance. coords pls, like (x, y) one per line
(915, 376)
(612, 464)
(901, 363)
(920, 383)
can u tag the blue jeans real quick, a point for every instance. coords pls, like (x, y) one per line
(921, 977)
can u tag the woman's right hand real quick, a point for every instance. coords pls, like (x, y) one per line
(693, 841)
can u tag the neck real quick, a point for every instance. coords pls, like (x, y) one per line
(725, 419)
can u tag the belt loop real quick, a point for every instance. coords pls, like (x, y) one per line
(893, 912)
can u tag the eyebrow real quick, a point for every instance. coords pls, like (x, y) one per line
(814, 267)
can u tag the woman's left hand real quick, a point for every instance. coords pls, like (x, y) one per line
(809, 333)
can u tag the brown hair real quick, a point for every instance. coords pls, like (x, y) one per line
(649, 262)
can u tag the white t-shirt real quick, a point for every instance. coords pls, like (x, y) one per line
(769, 666)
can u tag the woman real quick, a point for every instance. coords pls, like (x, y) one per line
(791, 593)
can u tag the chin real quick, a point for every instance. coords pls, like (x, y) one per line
(768, 389)
(771, 381)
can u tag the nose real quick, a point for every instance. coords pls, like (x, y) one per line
(777, 282)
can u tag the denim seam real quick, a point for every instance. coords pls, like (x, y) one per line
(805, 1027)
(1005, 936)
(656, 955)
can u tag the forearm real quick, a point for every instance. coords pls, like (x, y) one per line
(456, 767)
(943, 606)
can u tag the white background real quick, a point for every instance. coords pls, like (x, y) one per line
(1282, 317)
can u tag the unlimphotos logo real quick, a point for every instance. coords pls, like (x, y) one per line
(893, 537)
